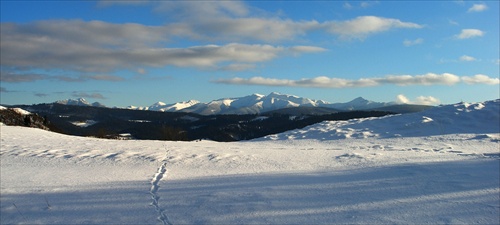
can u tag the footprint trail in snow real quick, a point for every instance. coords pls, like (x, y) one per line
(154, 193)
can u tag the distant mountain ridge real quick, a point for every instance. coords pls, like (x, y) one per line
(258, 103)
(251, 104)
(79, 102)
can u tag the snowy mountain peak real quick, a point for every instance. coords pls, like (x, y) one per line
(79, 102)
(360, 100)
(163, 107)
(250, 104)
(159, 104)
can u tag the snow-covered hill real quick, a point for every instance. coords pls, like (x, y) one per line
(392, 170)
(460, 118)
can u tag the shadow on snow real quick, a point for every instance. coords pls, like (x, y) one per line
(445, 192)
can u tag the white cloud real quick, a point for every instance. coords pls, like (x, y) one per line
(478, 8)
(481, 79)
(413, 42)
(327, 82)
(400, 80)
(469, 33)
(237, 67)
(467, 58)
(425, 79)
(85, 47)
(361, 27)
(94, 47)
(401, 99)
(304, 49)
(427, 100)
(420, 100)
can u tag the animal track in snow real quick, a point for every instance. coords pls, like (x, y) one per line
(162, 170)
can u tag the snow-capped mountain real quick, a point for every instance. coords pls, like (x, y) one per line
(251, 104)
(163, 107)
(258, 103)
(79, 102)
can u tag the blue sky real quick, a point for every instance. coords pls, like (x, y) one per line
(124, 53)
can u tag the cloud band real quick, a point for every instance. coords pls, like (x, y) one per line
(400, 80)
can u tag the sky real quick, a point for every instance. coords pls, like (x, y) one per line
(123, 53)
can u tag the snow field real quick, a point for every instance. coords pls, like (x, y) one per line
(374, 177)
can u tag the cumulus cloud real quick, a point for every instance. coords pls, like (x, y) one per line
(97, 47)
(238, 67)
(413, 42)
(469, 33)
(362, 26)
(401, 99)
(69, 49)
(306, 49)
(467, 58)
(480, 79)
(427, 100)
(425, 79)
(420, 100)
(478, 8)
(327, 82)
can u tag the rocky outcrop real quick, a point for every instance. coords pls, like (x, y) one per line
(13, 117)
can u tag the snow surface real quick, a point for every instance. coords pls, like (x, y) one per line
(21, 111)
(86, 123)
(462, 118)
(417, 177)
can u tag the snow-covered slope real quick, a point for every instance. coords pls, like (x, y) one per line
(416, 177)
(460, 118)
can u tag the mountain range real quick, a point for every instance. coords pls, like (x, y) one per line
(227, 119)
(262, 104)
(79, 102)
